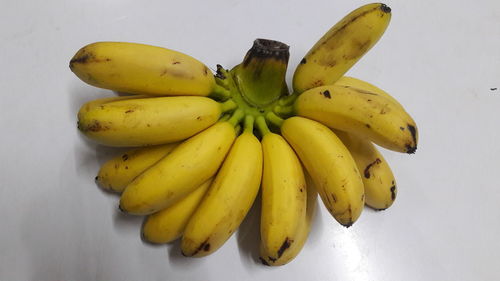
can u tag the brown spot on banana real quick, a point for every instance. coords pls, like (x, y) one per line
(393, 192)
(326, 94)
(286, 244)
(366, 172)
(413, 132)
(203, 246)
(94, 126)
(263, 261)
(303, 61)
(125, 157)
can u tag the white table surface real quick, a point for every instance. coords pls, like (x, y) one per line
(441, 59)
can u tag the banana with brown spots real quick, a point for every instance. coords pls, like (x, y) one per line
(130, 121)
(341, 47)
(118, 172)
(331, 166)
(142, 69)
(284, 197)
(378, 179)
(364, 113)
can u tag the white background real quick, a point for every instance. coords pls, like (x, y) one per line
(441, 59)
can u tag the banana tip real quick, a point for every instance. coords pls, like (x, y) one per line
(411, 149)
(385, 8)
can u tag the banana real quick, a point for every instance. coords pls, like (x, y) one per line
(347, 81)
(193, 162)
(141, 69)
(168, 224)
(341, 47)
(283, 197)
(304, 229)
(132, 121)
(118, 172)
(378, 179)
(362, 113)
(330, 165)
(229, 198)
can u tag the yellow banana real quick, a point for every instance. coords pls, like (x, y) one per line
(148, 121)
(341, 47)
(330, 165)
(362, 113)
(378, 179)
(118, 172)
(283, 198)
(303, 230)
(141, 69)
(168, 224)
(229, 198)
(352, 82)
(178, 174)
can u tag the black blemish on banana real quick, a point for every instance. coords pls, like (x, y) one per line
(412, 147)
(286, 244)
(303, 61)
(393, 192)
(413, 132)
(125, 157)
(84, 58)
(263, 261)
(386, 9)
(203, 246)
(366, 172)
(326, 94)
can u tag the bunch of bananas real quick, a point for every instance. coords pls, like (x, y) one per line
(205, 143)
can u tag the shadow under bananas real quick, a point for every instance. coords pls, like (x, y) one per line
(248, 235)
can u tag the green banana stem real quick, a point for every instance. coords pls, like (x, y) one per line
(262, 126)
(284, 111)
(224, 117)
(287, 100)
(236, 117)
(228, 105)
(249, 120)
(220, 93)
(260, 78)
(274, 119)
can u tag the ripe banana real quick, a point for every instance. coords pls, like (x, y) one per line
(304, 229)
(362, 113)
(341, 47)
(229, 198)
(168, 224)
(148, 121)
(141, 69)
(378, 179)
(118, 172)
(193, 162)
(283, 198)
(330, 165)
